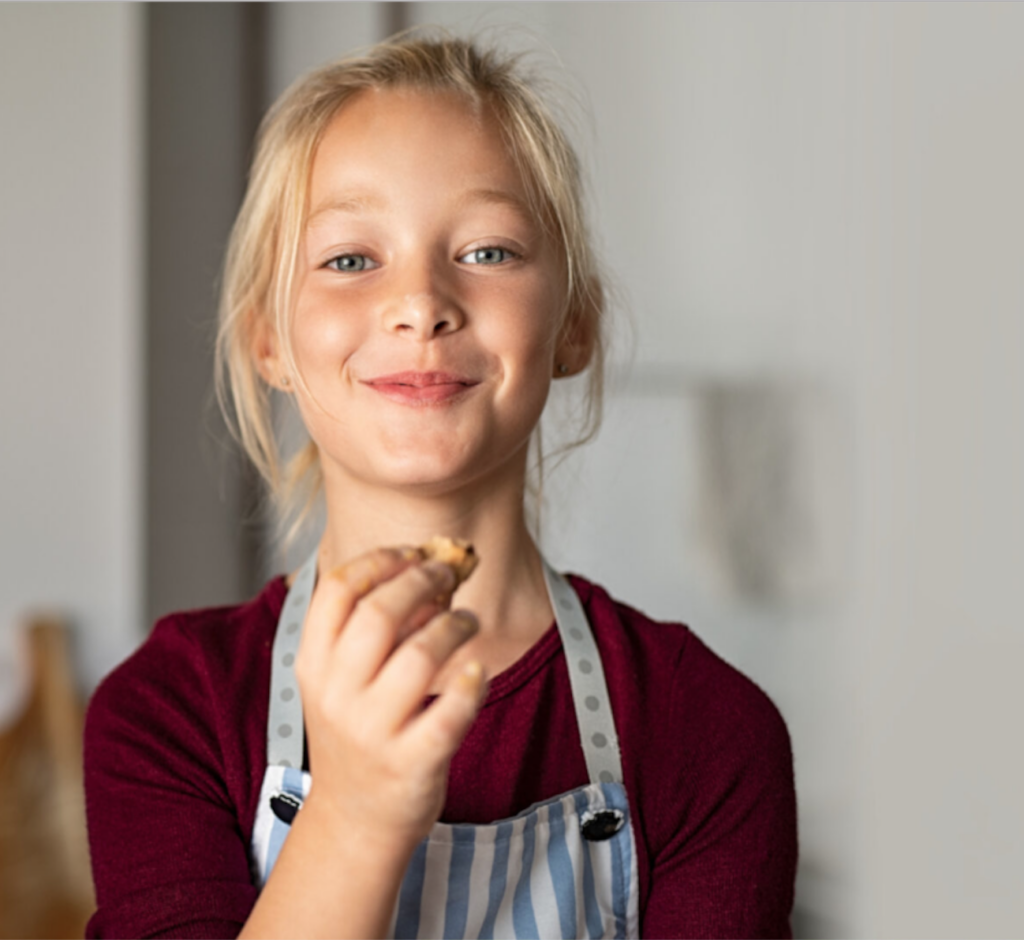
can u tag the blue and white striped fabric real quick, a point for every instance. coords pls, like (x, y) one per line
(269, 832)
(534, 875)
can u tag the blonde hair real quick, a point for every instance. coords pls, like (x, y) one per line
(262, 256)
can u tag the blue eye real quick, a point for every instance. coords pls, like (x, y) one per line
(348, 264)
(487, 256)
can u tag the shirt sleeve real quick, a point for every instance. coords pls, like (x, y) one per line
(168, 854)
(726, 862)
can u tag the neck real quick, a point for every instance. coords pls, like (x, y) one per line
(506, 591)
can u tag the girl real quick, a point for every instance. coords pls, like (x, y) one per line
(411, 265)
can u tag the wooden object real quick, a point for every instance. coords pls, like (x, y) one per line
(45, 883)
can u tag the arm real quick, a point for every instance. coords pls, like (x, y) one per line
(333, 878)
(726, 864)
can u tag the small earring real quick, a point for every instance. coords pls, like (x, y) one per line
(563, 369)
(285, 381)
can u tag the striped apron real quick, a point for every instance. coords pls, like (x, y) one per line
(565, 867)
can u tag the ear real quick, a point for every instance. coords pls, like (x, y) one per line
(576, 343)
(266, 353)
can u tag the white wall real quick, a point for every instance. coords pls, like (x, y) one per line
(70, 360)
(304, 35)
(940, 388)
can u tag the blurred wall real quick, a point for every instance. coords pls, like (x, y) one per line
(204, 98)
(71, 367)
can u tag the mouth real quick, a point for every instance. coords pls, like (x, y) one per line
(421, 388)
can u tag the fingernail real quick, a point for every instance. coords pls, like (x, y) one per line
(473, 669)
(410, 554)
(471, 675)
(466, 621)
(339, 572)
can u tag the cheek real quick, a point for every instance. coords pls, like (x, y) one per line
(323, 337)
(524, 344)
(529, 316)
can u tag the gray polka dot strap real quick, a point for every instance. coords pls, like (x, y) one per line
(284, 728)
(586, 678)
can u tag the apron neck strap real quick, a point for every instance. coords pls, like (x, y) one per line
(586, 679)
(284, 724)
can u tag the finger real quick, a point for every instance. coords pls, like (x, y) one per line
(339, 590)
(385, 614)
(436, 733)
(403, 681)
(418, 620)
(438, 604)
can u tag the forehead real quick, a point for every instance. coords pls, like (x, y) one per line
(383, 139)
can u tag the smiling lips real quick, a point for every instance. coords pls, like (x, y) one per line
(421, 388)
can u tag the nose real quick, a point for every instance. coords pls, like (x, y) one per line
(422, 305)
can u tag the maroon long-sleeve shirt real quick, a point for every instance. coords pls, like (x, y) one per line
(175, 751)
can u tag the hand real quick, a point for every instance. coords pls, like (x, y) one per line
(377, 634)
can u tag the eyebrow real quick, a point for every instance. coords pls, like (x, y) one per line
(501, 197)
(358, 202)
(352, 204)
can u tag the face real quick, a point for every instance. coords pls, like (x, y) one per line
(428, 300)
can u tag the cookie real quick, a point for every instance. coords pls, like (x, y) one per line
(455, 552)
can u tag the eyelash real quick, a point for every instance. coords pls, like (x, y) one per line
(512, 255)
(333, 262)
(351, 254)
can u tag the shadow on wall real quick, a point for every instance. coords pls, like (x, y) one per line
(773, 482)
(45, 885)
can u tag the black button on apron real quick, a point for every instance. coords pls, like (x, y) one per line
(603, 825)
(285, 806)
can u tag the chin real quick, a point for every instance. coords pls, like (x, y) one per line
(426, 477)
(435, 475)
(440, 466)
